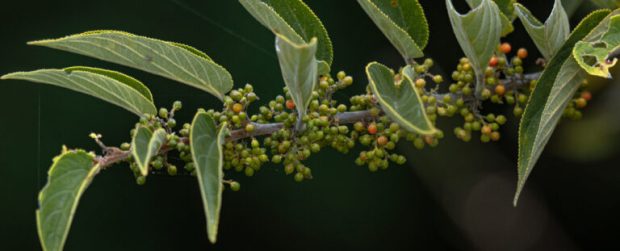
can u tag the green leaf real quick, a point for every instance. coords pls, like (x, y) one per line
(593, 52)
(478, 33)
(68, 178)
(399, 99)
(555, 88)
(404, 24)
(507, 8)
(507, 14)
(299, 70)
(293, 19)
(550, 36)
(206, 146)
(145, 145)
(113, 87)
(178, 62)
(612, 4)
(120, 77)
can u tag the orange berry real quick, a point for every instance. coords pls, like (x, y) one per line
(495, 136)
(237, 108)
(429, 139)
(290, 104)
(586, 95)
(500, 89)
(581, 102)
(486, 130)
(493, 61)
(372, 128)
(522, 53)
(505, 48)
(382, 140)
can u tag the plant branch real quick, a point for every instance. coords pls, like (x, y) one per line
(113, 155)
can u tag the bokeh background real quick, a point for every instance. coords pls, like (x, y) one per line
(454, 197)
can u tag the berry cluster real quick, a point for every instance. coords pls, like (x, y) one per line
(278, 134)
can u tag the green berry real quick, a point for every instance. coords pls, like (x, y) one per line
(177, 105)
(299, 177)
(140, 180)
(172, 170)
(163, 113)
(235, 186)
(125, 146)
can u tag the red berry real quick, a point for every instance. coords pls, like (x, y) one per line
(290, 104)
(493, 61)
(505, 48)
(586, 95)
(372, 128)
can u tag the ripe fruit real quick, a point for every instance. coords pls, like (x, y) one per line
(372, 128)
(237, 108)
(500, 89)
(382, 140)
(486, 130)
(420, 83)
(493, 61)
(522, 53)
(505, 48)
(581, 102)
(586, 95)
(290, 104)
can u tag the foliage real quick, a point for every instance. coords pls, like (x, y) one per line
(400, 105)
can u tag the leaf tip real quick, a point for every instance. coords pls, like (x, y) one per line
(212, 234)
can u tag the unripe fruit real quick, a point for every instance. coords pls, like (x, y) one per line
(249, 127)
(177, 105)
(172, 123)
(437, 79)
(140, 180)
(125, 146)
(505, 48)
(290, 104)
(236, 95)
(299, 177)
(501, 119)
(348, 80)
(163, 113)
(172, 170)
(340, 75)
(237, 108)
(235, 186)
(517, 111)
(522, 53)
(249, 171)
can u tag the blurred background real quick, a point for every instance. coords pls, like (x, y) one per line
(456, 196)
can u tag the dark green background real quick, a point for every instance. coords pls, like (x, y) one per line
(457, 196)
